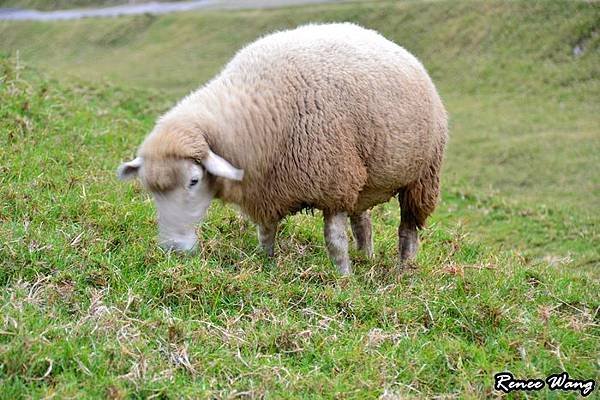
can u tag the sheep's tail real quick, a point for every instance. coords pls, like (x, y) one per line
(419, 199)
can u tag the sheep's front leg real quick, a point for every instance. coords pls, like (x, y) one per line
(266, 237)
(337, 241)
(361, 229)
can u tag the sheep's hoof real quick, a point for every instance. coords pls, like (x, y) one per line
(345, 270)
(344, 266)
(406, 265)
(269, 251)
(367, 251)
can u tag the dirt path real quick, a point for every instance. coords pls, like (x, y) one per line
(149, 8)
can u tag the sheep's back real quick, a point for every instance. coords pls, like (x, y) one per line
(336, 109)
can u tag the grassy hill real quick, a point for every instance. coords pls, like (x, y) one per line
(507, 277)
(523, 106)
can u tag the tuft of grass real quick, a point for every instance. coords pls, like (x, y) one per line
(506, 277)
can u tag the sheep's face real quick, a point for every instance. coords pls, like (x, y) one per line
(182, 207)
(182, 190)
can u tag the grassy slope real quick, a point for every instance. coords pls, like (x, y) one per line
(91, 306)
(523, 108)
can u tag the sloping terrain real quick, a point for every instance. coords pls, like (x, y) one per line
(507, 276)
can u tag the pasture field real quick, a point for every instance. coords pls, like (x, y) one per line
(507, 278)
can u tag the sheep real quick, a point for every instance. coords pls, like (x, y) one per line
(327, 116)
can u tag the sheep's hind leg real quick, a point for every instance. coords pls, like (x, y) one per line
(408, 242)
(412, 217)
(361, 229)
(266, 237)
(337, 241)
(417, 202)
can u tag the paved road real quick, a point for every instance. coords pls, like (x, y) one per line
(149, 8)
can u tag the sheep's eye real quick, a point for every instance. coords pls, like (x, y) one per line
(193, 181)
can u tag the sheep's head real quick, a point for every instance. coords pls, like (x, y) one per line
(183, 189)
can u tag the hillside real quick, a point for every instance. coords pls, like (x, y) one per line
(523, 106)
(507, 277)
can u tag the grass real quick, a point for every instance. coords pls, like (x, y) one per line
(507, 276)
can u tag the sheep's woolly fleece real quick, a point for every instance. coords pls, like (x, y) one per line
(332, 116)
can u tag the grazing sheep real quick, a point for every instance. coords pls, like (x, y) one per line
(332, 116)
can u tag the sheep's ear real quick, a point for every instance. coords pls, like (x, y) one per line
(221, 167)
(130, 169)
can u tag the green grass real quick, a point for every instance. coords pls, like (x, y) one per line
(507, 276)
